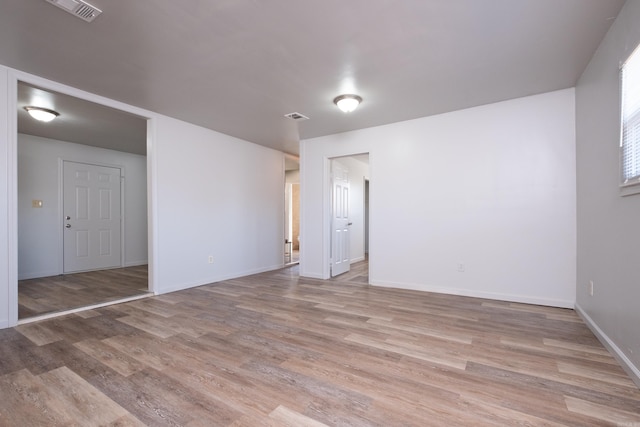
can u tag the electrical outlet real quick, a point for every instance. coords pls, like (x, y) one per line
(461, 267)
(590, 287)
(210, 259)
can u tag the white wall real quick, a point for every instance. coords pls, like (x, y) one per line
(209, 194)
(39, 238)
(217, 196)
(608, 227)
(491, 187)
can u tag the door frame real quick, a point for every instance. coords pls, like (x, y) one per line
(61, 161)
(15, 76)
(334, 245)
(288, 208)
(327, 213)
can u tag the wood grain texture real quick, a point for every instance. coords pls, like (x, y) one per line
(69, 291)
(274, 349)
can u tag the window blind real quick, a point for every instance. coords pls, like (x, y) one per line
(630, 135)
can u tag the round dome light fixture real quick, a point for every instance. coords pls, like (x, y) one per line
(42, 114)
(347, 103)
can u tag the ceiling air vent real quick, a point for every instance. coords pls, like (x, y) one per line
(79, 8)
(296, 116)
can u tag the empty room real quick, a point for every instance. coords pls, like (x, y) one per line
(363, 213)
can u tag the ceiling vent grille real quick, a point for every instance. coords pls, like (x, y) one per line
(79, 8)
(296, 116)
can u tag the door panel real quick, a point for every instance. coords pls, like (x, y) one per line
(91, 206)
(340, 251)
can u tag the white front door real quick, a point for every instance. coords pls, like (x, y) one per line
(340, 256)
(91, 209)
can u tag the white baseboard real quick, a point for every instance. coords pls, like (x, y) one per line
(312, 275)
(28, 276)
(212, 280)
(80, 309)
(135, 263)
(524, 299)
(627, 365)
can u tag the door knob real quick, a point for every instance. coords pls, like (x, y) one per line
(68, 225)
(68, 218)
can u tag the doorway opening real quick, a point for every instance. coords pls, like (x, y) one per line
(292, 210)
(349, 195)
(366, 219)
(82, 204)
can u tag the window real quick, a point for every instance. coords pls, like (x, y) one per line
(630, 111)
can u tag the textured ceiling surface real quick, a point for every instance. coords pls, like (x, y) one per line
(238, 66)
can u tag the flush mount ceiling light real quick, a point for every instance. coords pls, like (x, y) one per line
(42, 114)
(347, 103)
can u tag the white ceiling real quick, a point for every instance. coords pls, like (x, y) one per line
(81, 121)
(237, 66)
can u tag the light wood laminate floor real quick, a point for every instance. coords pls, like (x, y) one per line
(274, 349)
(70, 291)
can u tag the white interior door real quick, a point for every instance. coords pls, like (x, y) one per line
(91, 209)
(340, 255)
